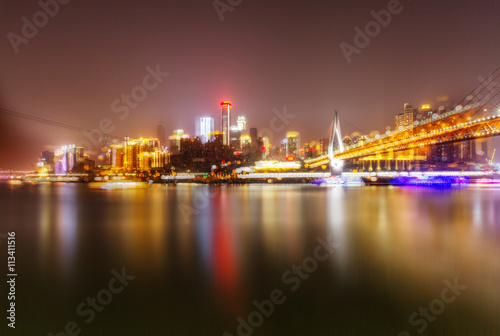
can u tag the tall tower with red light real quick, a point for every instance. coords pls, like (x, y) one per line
(226, 122)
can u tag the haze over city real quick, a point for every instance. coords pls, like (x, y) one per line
(261, 56)
(250, 167)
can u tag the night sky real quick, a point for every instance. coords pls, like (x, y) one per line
(264, 55)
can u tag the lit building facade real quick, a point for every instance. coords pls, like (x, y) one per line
(323, 146)
(226, 122)
(69, 159)
(267, 145)
(241, 122)
(245, 141)
(117, 153)
(175, 141)
(142, 154)
(292, 144)
(205, 129)
(159, 159)
(406, 119)
(46, 162)
(235, 141)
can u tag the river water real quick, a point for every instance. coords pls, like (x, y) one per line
(253, 260)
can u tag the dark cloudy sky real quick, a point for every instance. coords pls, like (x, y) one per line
(264, 55)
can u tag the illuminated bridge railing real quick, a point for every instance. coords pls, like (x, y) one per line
(422, 123)
(479, 128)
(427, 132)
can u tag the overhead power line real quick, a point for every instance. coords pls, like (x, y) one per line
(50, 122)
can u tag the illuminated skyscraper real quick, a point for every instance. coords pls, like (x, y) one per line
(242, 123)
(292, 143)
(205, 129)
(267, 145)
(226, 122)
(140, 154)
(133, 148)
(406, 119)
(69, 159)
(117, 153)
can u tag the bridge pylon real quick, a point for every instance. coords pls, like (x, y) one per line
(336, 144)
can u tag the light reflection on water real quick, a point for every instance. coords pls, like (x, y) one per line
(204, 253)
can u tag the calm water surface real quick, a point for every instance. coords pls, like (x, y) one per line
(201, 255)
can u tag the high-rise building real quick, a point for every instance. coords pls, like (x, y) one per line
(406, 119)
(267, 144)
(46, 162)
(245, 141)
(482, 150)
(205, 129)
(307, 151)
(235, 137)
(323, 146)
(175, 141)
(160, 133)
(463, 150)
(159, 159)
(79, 157)
(144, 161)
(139, 154)
(283, 149)
(191, 148)
(226, 122)
(292, 144)
(117, 156)
(133, 150)
(347, 141)
(151, 145)
(69, 159)
(253, 135)
(242, 123)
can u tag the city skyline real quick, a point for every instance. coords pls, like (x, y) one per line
(206, 124)
(308, 74)
(231, 167)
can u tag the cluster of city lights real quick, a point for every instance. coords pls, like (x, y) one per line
(422, 139)
(401, 140)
